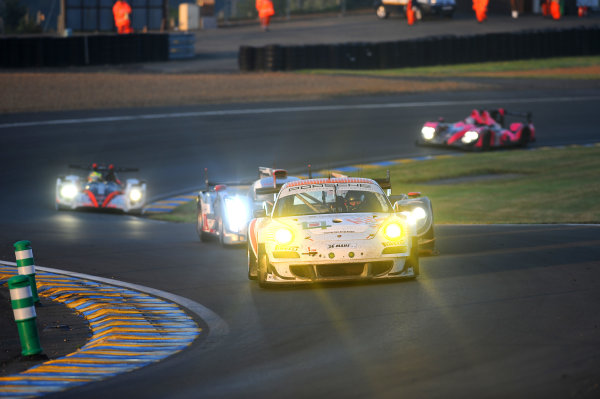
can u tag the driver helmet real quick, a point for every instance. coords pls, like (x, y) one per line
(94, 177)
(354, 200)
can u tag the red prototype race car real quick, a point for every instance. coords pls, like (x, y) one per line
(481, 130)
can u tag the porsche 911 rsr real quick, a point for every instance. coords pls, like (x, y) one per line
(480, 131)
(335, 229)
(100, 190)
(224, 210)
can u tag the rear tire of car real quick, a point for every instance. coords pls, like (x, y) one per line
(382, 12)
(525, 138)
(252, 272)
(262, 269)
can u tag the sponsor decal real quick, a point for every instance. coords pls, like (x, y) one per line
(310, 251)
(315, 225)
(363, 220)
(341, 245)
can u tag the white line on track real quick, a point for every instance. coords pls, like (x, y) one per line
(217, 327)
(313, 108)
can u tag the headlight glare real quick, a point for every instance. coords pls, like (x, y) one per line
(392, 231)
(237, 213)
(470, 137)
(419, 213)
(428, 132)
(68, 191)
(284, 236)
(135, 195)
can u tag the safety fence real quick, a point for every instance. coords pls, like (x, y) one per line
(428, 51)
(43, 51)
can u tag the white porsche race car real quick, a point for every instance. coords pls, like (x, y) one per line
(331, 229)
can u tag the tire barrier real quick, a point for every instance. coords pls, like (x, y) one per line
(429, 51)
(25, 316)
(44, 51)
(26, 265)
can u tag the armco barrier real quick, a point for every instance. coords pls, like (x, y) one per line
(49, 51)
(435, 50)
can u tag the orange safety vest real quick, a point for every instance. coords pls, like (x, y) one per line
(264, 8)
(121, 11)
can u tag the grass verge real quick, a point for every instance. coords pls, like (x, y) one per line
(542, 186)
(550, 68)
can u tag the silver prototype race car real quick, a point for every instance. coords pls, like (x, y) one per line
(101, 189)
(331, 229)
(224, 210)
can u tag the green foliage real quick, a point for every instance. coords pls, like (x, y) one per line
(12, 13)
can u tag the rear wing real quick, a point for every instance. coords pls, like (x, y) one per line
(263, 171)
(209, 183)
(101, 168)
(268, 190)
(385, 182)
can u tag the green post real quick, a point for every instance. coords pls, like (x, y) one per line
(26, 266)
(24, 311)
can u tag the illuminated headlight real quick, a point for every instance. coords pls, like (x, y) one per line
(470, 137)
(135, 195)
(392, 231)
(68, 191)
(237, 213)
(284, 236)
(428, 132)
(419, 213)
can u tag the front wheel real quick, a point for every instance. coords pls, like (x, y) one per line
(262, 269)
(413, 259)
(382, 12)
(199, 228)
(252, 272)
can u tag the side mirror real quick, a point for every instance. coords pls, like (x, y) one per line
(260, 213)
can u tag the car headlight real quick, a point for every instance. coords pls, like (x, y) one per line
(236, 213)
(428, 132)
(392, 231)
(419, 213)
(68, 191)
(135, 195)
(284, 236)
(470, 137)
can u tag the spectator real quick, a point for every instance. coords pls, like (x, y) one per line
(480, 8)
(121, 11)
(265, 11)
(516, 6)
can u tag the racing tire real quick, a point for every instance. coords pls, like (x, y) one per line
(382, 12)
(199, 225)
(252, 271)
(525, 138)
(429, 236)
(413, 258)
(221, 234)
(485, 141)
(262, 269)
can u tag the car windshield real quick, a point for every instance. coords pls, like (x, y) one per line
(330, 198)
